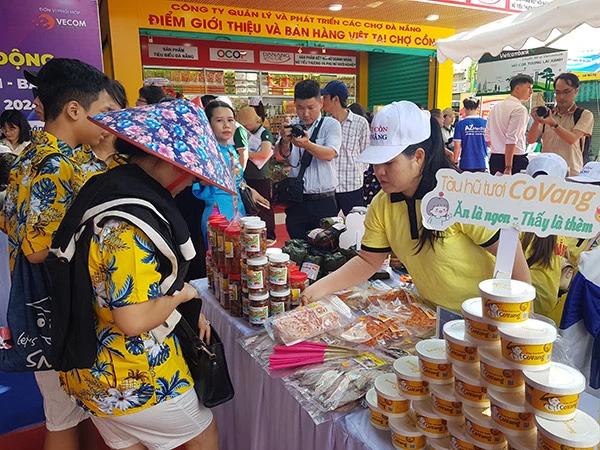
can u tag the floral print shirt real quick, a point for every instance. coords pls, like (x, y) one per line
(130, 373)
(42, 185)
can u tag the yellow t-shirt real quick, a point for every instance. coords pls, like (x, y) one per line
(130, 373)
(546, 281)
(445, 275)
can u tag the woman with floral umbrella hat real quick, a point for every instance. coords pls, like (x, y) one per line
(129, 250)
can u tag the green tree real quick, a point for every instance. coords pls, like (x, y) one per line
(547, 75)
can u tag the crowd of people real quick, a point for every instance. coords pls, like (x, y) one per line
(139, 392)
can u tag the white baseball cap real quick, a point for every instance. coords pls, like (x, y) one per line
(548, 164)
(589, 174)
(394, 128)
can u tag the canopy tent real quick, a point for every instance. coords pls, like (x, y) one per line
(558, 18)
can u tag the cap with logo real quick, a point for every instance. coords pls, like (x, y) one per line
(336, 88)
(548, 164)
(394, 128)
(589, 174)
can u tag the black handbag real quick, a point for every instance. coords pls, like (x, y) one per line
(207, 365)
(250, 205)
(291, 189)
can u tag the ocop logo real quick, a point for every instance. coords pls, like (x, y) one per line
(48, 22)
(231, 54)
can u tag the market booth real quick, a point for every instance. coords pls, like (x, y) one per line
(245, 53)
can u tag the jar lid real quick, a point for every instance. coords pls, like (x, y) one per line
(258, 261)
(454, 331)
(279, 258)
(405, 426)
(443, 391)
(294, 267)
(233, 229)
(273, 251)
(442, 443)
(407, 368)
(432, 350)
(512, 401)
(492, 356)
(468, 373)
(582, 431)
(280, 293)
(532, 331)
(425, 408)
(472, 309)
(258, 297)
(222, 225)
(387, 385)
(235, 276)
(371, 399)
(215, 217)
(506, 290)
(558, 379)
(246, 220)
(479, 416)
(524, 441)
(298, 277)
(457, 431)
(255, 224)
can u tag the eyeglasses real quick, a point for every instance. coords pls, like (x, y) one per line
(565, 92)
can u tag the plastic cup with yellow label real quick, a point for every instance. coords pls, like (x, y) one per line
(469, 388)
(406, 435)
(378, 419)
(510, 413)
(506, 302)
(526, 441)
(494, 372)
(459, 349)
(410, 382)
(528, 346)
(389, 399)
(439, 443)
(459, 438)
(477, 331)
(432, 424)
(433, 361)
(445, 402)
(582, 432)
(554, 393)
(482, 429)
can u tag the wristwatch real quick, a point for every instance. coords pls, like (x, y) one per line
(555, 126)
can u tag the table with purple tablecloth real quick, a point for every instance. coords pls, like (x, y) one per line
(264, 415)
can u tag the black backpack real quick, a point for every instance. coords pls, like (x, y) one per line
(587, 140)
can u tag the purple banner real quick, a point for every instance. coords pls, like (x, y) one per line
(34, 31)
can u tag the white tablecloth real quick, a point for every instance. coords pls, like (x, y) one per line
(264, 415)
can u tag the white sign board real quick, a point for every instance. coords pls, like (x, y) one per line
(323, 60)
(189, 53)
(278, 58)
(543, 205)
(232, 55)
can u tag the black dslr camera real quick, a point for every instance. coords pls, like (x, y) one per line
(298, 129)
(542, 111)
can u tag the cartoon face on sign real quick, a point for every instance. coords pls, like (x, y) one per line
(438, 210)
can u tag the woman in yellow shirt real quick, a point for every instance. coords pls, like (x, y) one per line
(406, 151)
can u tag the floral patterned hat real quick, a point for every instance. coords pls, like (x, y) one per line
(178, 132)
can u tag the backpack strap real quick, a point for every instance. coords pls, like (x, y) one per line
(577, 114)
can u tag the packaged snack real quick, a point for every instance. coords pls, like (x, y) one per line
(509, 412)
(410, 382)
(428, 420)
(528, 346)
(309, 321)
(506, 302)
(389, 399)
(469, 388)
(482, 429)
(494, 372)
(527, 441)
(460, 350)
(406, 435)
(582, 432)
(439, 443)
(446, 403)
(378, 418)
(433, 361)
(477, 331)
(459, 438)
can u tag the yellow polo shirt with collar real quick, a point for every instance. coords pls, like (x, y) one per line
(447, 273)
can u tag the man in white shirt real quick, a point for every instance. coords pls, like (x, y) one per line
(507, 128)
(355, 138)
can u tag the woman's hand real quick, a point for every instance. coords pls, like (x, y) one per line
(259, 199)
(204, 328)
(188, 293)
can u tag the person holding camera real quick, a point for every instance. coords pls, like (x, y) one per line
(310, 142)
(566, 128)
(507, 126)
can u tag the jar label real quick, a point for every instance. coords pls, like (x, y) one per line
(506, 312)
(233, 292)
(482, 331)
(212, 237)
(319, 309)
(483, 434)
(245, 305)
(392, 406)
(462, 353)
(278, 275)
(447, 408)
(311, 269)
(527, 354)
(470, 392)
(253, 242)
(512, 420)
(277, 308)
(255, 279)
(435, 371)
(379, 419)
(459, 444)
(228, 249)
(258, 315)
(551, 403)
(431, 425)
(545, 443)
(220, 243)
(413, 388)
(497, 376)
(295, 296)
(408, 442)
